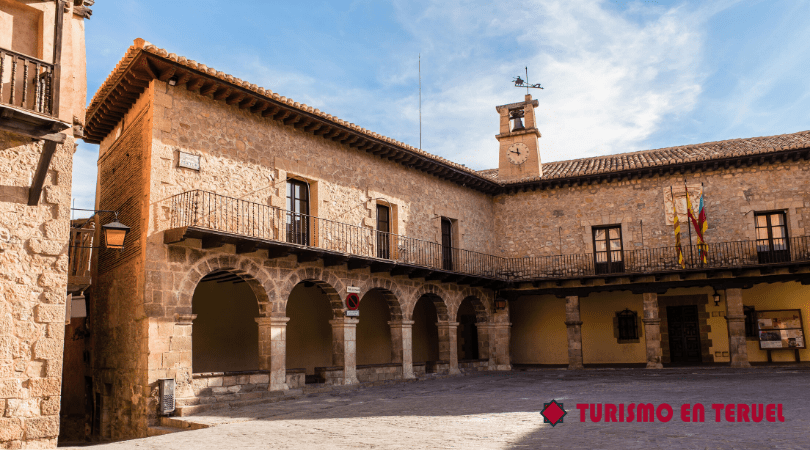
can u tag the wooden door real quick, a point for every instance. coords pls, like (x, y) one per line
(447, 244)
(684, 334)
(383, 232)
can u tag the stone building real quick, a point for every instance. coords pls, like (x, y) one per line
(256, 220)
(42, 100)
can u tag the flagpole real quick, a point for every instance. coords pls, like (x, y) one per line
(689, 226)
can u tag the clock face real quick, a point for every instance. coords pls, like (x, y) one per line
(517, 153)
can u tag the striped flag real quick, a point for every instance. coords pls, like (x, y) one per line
(699, 228)
(677, 232)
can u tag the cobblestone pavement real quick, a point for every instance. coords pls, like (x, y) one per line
(500, 410)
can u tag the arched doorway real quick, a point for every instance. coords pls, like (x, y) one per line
(467, 331)
(309, 333)
(374, 344)
(425, 334)
(225, 336)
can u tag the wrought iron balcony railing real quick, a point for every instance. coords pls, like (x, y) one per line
(210, 211)
(30, 82)
(241, 217)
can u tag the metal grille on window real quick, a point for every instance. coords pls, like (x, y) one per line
(628, 325)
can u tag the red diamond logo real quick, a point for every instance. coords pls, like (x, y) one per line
(553, 413)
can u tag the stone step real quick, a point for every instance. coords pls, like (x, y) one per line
(184, 411)
(160, 431)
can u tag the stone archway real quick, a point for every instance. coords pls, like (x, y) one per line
(342, 346)
(332, 286)
(256, 278)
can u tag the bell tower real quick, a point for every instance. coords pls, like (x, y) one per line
(519, 153)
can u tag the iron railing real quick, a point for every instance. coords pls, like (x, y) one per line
(30, 82)
(216, 212)
(722, 255)
(246, 218)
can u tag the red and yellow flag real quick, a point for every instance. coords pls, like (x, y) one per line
(699, 228)
(677, 232)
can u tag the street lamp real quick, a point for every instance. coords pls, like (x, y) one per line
(114, 234)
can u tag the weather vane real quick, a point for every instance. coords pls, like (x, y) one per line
(520, 82)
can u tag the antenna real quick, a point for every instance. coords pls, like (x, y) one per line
(420, 101)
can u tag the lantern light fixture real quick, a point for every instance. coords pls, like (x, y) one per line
(716, 298)
(115, 232)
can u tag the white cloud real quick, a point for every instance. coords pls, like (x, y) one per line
(610, 79)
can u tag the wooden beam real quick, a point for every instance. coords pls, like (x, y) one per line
(196, 84)
(212, 242)
(222, 95)
(291, 119)
(234, 99)
(260, 107)
(271, 111)
(168, 73)
(208, 90)
(35, 192)
(248, 103)
(246, 247)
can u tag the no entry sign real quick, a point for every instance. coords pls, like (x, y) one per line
(352, 302)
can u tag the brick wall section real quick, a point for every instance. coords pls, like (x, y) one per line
(33, 286)
(526, 224)
(120, 328)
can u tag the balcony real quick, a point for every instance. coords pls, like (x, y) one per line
(82, 232)
(27, 100)
(218, 220)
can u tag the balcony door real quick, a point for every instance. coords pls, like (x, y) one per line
(383, 232)
(772, 237)
(297, 212)
(447, 244)
(607, 246)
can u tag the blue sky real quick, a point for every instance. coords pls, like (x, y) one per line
(619, 76)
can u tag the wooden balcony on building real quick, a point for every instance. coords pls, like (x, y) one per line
(82, 233)
(217, 220)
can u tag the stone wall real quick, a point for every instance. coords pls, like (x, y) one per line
(118, 314)
(534, 223)
(33, 287)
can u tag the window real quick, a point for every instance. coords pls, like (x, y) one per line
(607, 247)
(750, 322)
(297, 212)
(627, 322)
(383, 232)
(772, 237)
(447, 244)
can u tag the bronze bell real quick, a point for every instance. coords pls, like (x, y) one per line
(517, 124)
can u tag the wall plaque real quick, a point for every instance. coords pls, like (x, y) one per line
(189, 161)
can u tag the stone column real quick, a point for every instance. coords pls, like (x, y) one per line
(652, 330)
(499, 340)
(448, 344)
(402, 345)
(273, 350)
(484, 344)
(735, 317)
(344, 347)
(180, 349)
(574, 325)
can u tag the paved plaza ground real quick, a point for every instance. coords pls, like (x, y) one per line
(501, 410)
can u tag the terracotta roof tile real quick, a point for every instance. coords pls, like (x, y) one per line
(664, 157)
